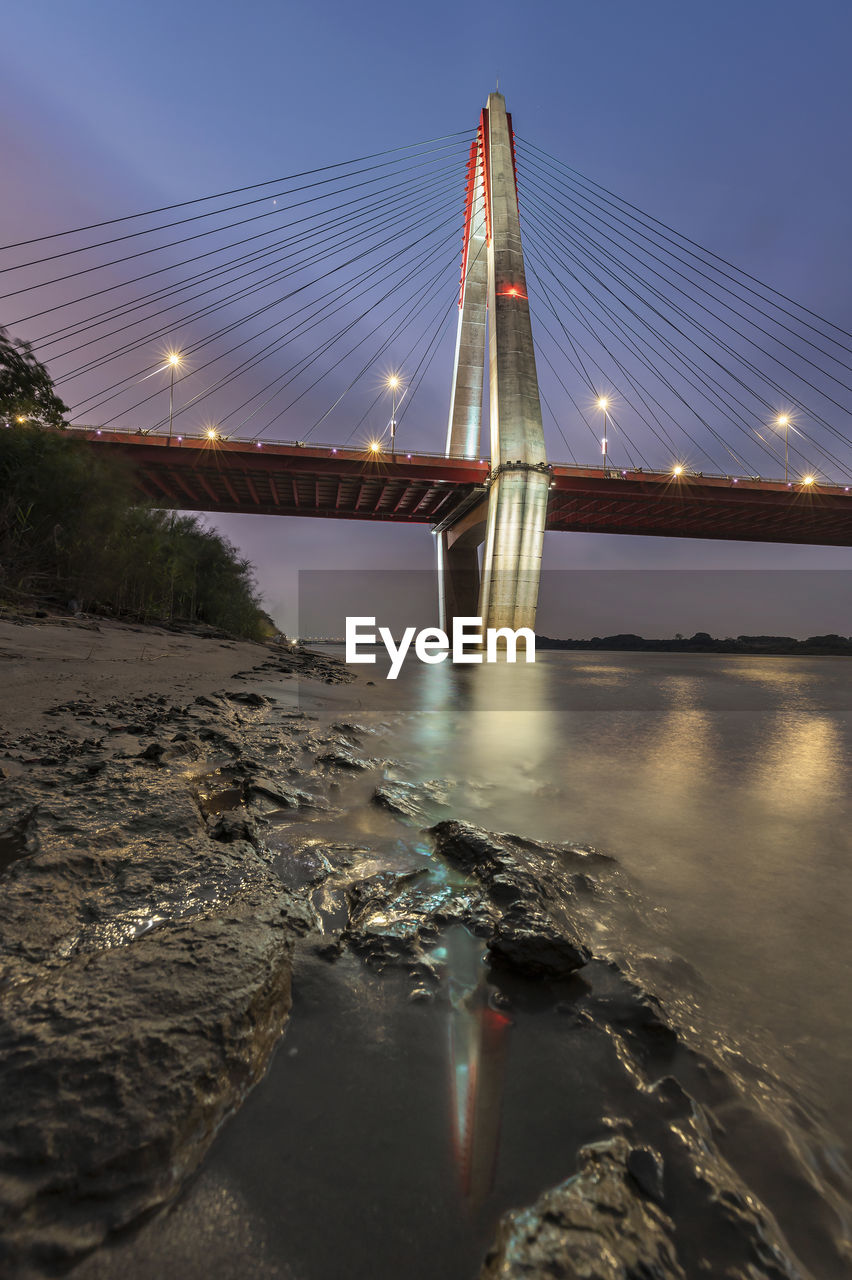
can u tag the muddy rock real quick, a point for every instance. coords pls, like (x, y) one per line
(145, 959)
(124, 1064)
(537, 931)
(528, 943)
(270, 795)
(341, 757)
(417, 802)
(598, 1225)
(18, 835)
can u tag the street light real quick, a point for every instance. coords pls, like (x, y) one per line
(175, 359)
(602, 404)
(393, 385)
(783, 421)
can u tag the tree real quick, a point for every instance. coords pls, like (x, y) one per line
(26, 388)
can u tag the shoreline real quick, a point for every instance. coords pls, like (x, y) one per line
(178, 844)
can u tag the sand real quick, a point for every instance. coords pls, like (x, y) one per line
(46, 662)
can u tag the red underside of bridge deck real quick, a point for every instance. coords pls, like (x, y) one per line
(291, 480)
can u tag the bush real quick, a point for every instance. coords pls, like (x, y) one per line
(72, 527)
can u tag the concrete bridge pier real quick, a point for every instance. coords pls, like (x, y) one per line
(511, 568)
(458, 580)
(494, 288)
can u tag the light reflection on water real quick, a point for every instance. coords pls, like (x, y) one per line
(721, 785)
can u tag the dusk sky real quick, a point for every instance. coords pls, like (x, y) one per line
(728, 121)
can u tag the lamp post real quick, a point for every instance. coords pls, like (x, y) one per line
(174, 362)
(784, 421)
(603, 403)
(393, 384)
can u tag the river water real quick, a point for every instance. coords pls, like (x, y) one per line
(720, 786)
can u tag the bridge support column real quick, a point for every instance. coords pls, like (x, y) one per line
(517, 505)
(518, 495)
(511, 568)
(458, 580)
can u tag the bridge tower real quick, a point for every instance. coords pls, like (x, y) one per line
(511, 520)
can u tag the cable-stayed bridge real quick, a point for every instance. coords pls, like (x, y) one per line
(683, 396)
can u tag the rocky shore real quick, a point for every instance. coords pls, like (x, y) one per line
(151, 918)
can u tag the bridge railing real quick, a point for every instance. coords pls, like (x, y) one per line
(679, 472)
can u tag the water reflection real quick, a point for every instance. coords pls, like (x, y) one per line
(800, 766)
(720, 784)
(477, 1042)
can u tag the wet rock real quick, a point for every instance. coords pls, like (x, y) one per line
(233, 825)
(470, 848)
(417, 802)
(144, 971)
(329, 950)
(18, 837)
(275, 795)
(530, 945)
(350, 728)
(536, 933)
(646, 1169)
(596, 1226)
(124, 1064)
(342, 758)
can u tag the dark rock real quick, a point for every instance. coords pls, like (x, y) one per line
(646, 1169)
(125, 1063)
(418, 802)
(233, 825)
(536, 934)
(532, 946)
(595, 1226)
(248, 699)
(342, 758)
(274, 795)
(18, 838)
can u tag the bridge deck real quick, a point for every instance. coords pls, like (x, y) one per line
(294, 480)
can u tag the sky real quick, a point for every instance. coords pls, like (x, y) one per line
(729, 121)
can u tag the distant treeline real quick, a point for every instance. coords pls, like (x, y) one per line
(702, 642)
(72, 528)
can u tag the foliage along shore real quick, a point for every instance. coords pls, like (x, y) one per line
(702, 642)
(74, 533)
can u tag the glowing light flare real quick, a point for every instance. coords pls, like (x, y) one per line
(393, 381)
(211, 433)
(175, 359)
(677, 470)
(375, 446)
(603, 403)
(782, 420)
(808, 479)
